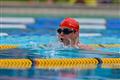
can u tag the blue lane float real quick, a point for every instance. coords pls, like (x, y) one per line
(49, 21)
(41, 26)
(113, 23)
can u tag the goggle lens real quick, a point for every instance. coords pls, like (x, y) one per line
(65, 31)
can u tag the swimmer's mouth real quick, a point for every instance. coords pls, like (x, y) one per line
(61, 39)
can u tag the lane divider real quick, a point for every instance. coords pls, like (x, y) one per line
(105, 45)
(80, 63)
(15, 63)
(110, 60)
(2, 47)
(111, 45)
(67, 63)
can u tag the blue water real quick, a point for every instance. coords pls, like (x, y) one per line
(95, 73)
(67, 74)
(31, 46)
(28, 48)
(34, 41)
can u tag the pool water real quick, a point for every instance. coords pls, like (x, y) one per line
(38, 42)
(30, 48)
(84, 71)
(60, 74)
(31, 44)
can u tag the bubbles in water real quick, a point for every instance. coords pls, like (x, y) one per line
(31, 45)
(57, 46)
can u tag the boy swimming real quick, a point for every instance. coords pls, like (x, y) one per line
(68, 34)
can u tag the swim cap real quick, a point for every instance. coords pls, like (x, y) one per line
(70, 23)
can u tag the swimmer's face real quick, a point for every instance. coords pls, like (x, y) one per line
(66, 34)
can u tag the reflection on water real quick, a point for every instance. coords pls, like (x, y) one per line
(60, 74)
(83, 71)
(66, 53)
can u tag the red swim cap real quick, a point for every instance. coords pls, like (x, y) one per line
(70, 23)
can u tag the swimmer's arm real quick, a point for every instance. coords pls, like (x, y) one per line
(86, 47)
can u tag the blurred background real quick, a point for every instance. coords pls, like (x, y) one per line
(105, 14)
(71, 8)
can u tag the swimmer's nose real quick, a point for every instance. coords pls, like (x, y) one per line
(61, 33)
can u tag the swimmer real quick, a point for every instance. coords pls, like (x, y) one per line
(68, 34)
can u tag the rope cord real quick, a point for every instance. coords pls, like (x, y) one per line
(79, 63)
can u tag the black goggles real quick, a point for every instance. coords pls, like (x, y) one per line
(65, 31)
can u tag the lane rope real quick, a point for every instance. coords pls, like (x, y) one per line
(79, 63)
(105, 45)
(15, 63)
(4, 47)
